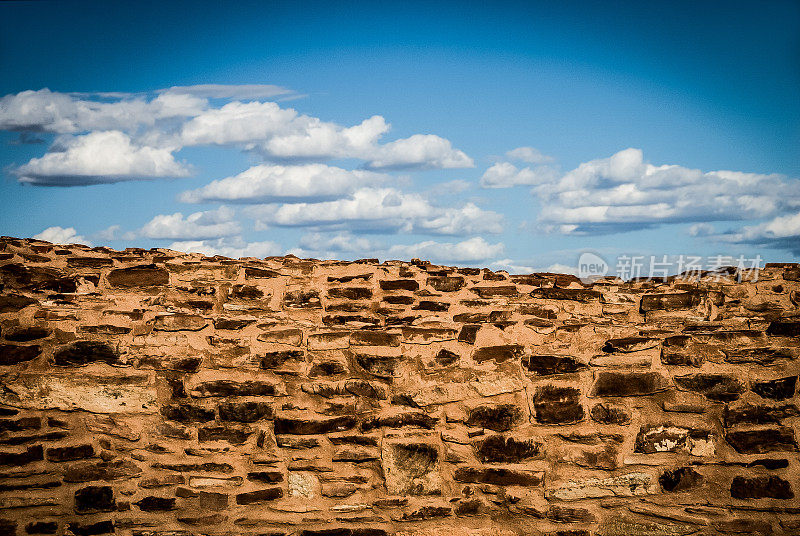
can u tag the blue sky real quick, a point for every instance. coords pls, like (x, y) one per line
(512, 135)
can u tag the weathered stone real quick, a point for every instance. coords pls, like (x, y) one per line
(784, 328)
(557, 405)
(232, 323)
(610, 414)
(760, 355)
(680, 479)
(779, 389)
(623, 527)
(498, 353)
(629, 344)
(245, 292)
(16, 459)
(669, 302)
(298, 426)
(377, 365)
(271, 360)
(670, 438)
(95, 499)
(495, 290)
(252, 272)
(187, 413)
(446, 283)
(774, 439)
(109, 393)
(500, 418)
(179, 322)
(446, 357)
(11, 354)
(501, 449)
(761, 487)
(41, 527)
(627, 485)
(499, 476)
(10, 303)
(548, 365)
(411, 468)
(374, 338)
(399, 284)
(302, 299)
(350, 293)
(147, 275)
(92, 529)
(265, 477)
(106, 471)
(244, 411)
(260, 496)
(233, 388)
(155, 504)
(628, 383)
(85, 352)
(426, 512)
(361, 388)
(719, 387)
(572, 294)
(468, 334)
(235, 436)
(69, 454)
(757, 414)
(27, 334)
(417, 419)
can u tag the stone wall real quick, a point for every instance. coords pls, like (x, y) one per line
(149, 392)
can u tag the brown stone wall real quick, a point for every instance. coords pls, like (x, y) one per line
(148, 392)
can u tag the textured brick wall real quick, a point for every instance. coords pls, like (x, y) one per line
(154, 393)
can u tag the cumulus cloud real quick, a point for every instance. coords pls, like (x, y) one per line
(507, 175)
(511, 266)
(99, 157)
(199, 225)
(234, 247)
(50, 111)
(623, 192)
(470, 250)
(382, 210)
(336, 246)
(225, 91)
(529, 155)
(782, 232)
(62, 235)
(701, 229)
(268, 183)
(159, 123)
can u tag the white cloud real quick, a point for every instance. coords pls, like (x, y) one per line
(470, 250)
(200, 225)
(284, 134)
(112, 232)
(241, 123)
(382, 209)
(782, 232)
(62, 235)
(418, 151)
(268, 183)
(511, 266)
(506, 175)
(529, 155)
(336, 246)
(50, 111)
(224, 91)
(97, 158)
(701, 229)
(623, 192)
(234, 247)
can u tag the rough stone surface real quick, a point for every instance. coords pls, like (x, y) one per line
(154, 393)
